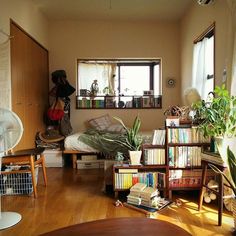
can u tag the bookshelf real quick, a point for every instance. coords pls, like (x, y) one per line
(175, 164)
(125, 176)
(183, 149)
(119, 102)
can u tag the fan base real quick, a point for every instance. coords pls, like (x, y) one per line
(8, 219)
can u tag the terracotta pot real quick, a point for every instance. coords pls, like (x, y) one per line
(135, 157)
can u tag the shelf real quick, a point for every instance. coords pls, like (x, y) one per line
(187, 144)
(185, 168)
(140, 167)
(119, 102)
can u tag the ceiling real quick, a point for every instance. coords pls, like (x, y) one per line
(113, 9)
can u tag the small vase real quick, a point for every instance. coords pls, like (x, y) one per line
(135, 157)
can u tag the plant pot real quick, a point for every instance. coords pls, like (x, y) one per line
(222, 144)
(135, 157)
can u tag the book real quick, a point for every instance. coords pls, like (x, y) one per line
(128, 170)
(138, 187)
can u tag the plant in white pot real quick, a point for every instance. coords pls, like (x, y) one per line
(217, 119)
(133, 140)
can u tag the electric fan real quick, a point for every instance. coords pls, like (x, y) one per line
(11, 130)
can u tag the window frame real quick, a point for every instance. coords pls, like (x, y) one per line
(128, 62)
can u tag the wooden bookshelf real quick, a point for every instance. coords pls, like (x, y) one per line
(178, 160)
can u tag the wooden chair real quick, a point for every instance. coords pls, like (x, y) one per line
(27, 157)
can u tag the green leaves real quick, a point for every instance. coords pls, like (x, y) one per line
(218, 117)
(133, 141)
(232, 165)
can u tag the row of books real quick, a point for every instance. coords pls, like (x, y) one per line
(188, 178)
(146, 101)
(184, 156)
(90, 103)
(151, 179)
(186, 135)
(159, 137)
(154, 156)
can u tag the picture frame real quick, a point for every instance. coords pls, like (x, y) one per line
(172, 121)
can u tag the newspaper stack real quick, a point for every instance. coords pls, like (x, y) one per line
(135, 191)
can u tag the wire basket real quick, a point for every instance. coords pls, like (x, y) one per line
(17, 183)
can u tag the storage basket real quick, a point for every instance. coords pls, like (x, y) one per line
(17, 183)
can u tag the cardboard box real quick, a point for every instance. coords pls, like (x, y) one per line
(90, 164)
(53, 158)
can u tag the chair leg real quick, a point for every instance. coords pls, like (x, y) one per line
(44, 169)
(204, 172)
(33, 175)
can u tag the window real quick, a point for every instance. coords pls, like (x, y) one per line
(203, 63)
(119, 77)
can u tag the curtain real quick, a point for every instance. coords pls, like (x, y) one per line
(233, 83)
(199, 73)
(103, 73)
(232, 7)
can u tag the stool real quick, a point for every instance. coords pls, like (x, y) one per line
(27, 157)
(219, 193)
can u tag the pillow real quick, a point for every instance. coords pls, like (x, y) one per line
(100, 123)
(116, 128)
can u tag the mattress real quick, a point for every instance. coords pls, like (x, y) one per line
(72, 142)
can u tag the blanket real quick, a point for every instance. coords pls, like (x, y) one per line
(100, 140)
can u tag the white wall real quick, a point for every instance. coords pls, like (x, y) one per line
(26, 15)
(193, 24)
(102, 39)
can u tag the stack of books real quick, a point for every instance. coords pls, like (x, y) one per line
(135, 192)
(149, 196)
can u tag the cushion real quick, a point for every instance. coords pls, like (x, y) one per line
(116, 128)
(100, 123)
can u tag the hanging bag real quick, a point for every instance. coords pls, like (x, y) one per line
(56, 111)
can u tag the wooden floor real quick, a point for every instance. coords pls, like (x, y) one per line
(75, 196)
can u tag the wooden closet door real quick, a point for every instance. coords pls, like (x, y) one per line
(29, 74)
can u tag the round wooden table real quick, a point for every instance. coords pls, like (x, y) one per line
(121, 227)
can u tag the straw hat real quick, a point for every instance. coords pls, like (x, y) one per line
(51, 136)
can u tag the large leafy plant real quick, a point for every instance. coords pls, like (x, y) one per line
(231, 179)
(218, 116)
(133, 140)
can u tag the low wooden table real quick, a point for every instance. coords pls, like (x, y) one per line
(121, 227)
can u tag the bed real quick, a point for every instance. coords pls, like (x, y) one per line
(76, 144)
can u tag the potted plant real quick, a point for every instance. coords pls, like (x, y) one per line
(217, 119)
(133, 140)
